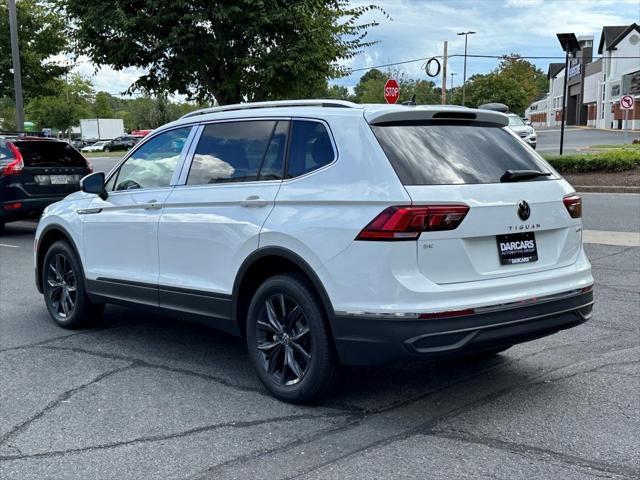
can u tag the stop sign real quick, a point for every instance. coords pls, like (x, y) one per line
(391, 91)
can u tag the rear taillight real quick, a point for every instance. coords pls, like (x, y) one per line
(17, 164)
(574, 205)
(407, 223)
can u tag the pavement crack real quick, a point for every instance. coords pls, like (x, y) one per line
(159, 366)
(61, 398)
(537, 452)
(624, 250)
(172, 436)
(61, 337)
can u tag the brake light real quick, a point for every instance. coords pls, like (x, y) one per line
(17, 164)
(407, 223)
(574, 205)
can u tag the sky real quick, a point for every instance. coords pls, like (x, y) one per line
(418, 28)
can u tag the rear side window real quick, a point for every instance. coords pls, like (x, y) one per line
(310, 148)
(451, 153)
(46, 153)
(239, 152)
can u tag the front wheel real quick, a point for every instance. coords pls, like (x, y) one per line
(289, 341)
(63, 288)
(107, 149)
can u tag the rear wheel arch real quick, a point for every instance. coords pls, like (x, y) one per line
(267, 262)
(48, 237)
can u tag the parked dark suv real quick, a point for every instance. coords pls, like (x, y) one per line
(35, 172)
(125, 142)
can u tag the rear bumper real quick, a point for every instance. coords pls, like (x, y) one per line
(30, 207)
(368, 340)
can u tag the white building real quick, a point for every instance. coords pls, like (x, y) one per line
(595, 88)
(620, 76)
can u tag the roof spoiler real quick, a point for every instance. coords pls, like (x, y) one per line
(452, 113)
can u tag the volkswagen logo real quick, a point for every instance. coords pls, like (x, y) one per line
(524, 211)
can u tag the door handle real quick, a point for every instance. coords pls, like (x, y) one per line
(152, 205)
(253, 201)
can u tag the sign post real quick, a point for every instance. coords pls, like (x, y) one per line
(391, 91)
(626, 104)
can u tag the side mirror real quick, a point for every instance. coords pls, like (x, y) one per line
(94, 183)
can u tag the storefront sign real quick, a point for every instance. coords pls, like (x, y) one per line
(575, 70)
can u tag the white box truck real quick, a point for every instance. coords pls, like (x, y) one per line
(101, 128)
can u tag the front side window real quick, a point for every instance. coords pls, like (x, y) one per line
(240, 151)
(153, 164)
(310, 148)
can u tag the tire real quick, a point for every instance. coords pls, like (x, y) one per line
(294, 359)
(107, 149)
(64, 291)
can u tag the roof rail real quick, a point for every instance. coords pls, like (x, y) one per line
(274, 104)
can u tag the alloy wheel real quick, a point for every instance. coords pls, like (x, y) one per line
(283, 339)
(62, 285)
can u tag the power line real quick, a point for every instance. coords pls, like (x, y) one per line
(496, 57)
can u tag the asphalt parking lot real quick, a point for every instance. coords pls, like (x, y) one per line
(142, 396)
(576, 139)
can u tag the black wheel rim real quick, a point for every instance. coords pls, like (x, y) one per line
(62, 286)
(283, 340)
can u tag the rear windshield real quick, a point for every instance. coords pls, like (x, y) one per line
(6, 156)
(451, 153)
(49, 154)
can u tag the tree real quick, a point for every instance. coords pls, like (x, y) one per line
(230, 50)
(40, 35)
(516, 83)
(102, 105)
(65, 109)
(370, 88)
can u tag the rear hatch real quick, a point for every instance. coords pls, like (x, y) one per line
(51, 168)
(463, 162)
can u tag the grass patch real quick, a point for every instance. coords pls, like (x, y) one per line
(118, 154)
(627, 147)
(612, 160)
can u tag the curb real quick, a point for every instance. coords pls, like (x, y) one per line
(605, 189)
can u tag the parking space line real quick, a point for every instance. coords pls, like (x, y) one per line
(10, 246)
(604, 237)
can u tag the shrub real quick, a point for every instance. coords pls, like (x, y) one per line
(612, 161)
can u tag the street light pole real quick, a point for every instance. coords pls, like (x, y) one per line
(464, 74)
(452, 74)
(570, 45)
(15, 54)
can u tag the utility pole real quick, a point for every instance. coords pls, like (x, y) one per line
(443, 93)
(15, 55)
(464, 74)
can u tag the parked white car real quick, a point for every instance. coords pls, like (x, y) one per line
(326, 232)
(526, 132)
(96, 147)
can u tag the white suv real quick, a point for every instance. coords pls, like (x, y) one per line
(327, 232)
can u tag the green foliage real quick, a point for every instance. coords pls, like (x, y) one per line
(102, 106)
(40, 35)
(610, 161)
(516, 83)
(370, 88)
(65, 109)
(230, 50)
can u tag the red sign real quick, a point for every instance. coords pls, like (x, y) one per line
(391, 91)
(626, 102)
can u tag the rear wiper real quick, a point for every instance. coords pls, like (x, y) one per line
(517, 175)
